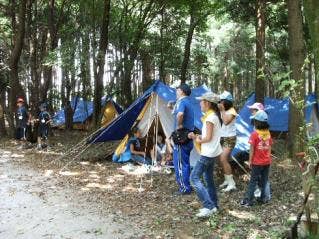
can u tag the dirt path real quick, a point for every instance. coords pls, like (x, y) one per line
(33, 205)
(92, 198)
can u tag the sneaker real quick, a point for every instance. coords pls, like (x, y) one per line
(229, 188)
(257, 193)
(205, 212)
(261, 201)
(245, 203)
(178, 193)
(224, 184)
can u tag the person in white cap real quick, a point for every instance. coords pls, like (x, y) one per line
(210, 151)
(228, 140)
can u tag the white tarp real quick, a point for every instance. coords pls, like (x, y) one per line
(159, 106)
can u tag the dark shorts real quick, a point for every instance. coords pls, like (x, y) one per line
(228, 142)
(43, 131)
(21, 133)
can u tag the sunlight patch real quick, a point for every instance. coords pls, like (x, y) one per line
(69, 173)
(242, 215)
(98, 185)
(48, 173)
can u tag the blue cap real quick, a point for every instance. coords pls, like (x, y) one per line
(261, 115)
(185, 88)
(226, 96)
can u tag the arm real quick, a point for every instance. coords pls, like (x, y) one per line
(133, 151)
(209, 134)
(251, 155)
(227, 119)
(180, 118)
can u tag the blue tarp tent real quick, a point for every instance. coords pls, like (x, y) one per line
(144, 111)
(83, 110)
(118, 129)
(278, 113)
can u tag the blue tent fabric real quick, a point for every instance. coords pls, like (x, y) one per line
(278, 118)
(311, 100)
(121, 126)
(83, 110)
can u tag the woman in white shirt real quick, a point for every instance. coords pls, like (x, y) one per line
(210, 150)
(228, 138)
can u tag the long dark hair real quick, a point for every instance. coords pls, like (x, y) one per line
(215, 108)
(261, 125)
(227, 104)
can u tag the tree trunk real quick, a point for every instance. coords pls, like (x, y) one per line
(3, 131)
(147, 70)
(15, 86)
(260, 50)
(98, 86)
(187, 48)
(162, 42)
(296, 59)
(311, 12)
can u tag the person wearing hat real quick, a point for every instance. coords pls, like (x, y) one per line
(43, 128)
(183, 120)
(259, 158)
(228, 138)
(254, 108)
(210, 150)
(22, 119)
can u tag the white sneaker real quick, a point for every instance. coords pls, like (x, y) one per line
(230, 187)
(257, 193)
(224, 184)
(205, 212)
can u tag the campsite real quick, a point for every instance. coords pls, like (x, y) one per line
(171, 119)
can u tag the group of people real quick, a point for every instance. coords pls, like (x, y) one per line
(24, 121)
(215, 142)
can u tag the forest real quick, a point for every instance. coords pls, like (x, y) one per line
(56, 50)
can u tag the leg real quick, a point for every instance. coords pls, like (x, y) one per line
(140, 159)
(186, 167)
(229, 181)
(201, 191)
(182, 166)
(264, 181)
(254, 177)
(209, 178)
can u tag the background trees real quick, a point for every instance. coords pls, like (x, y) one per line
(58, 49)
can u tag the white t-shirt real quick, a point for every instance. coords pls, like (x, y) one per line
(212, 148)
(230, 129)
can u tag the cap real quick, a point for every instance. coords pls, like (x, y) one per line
(209, 96)
(256, 106)
(261, 116)
(185, 88)
(20, 100)
(226, 96)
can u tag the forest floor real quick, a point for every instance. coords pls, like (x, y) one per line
(91, 198)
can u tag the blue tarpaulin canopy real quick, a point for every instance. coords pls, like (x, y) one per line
(118, 129)
(83, 110)
(278, 118)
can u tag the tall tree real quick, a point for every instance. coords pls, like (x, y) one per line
(296, 59)
(98, 86)
(18, 40)
(260, 50)
(311, 12)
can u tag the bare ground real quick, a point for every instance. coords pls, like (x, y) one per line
(91, 198)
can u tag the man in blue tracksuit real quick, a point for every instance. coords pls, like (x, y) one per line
(183, 118)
